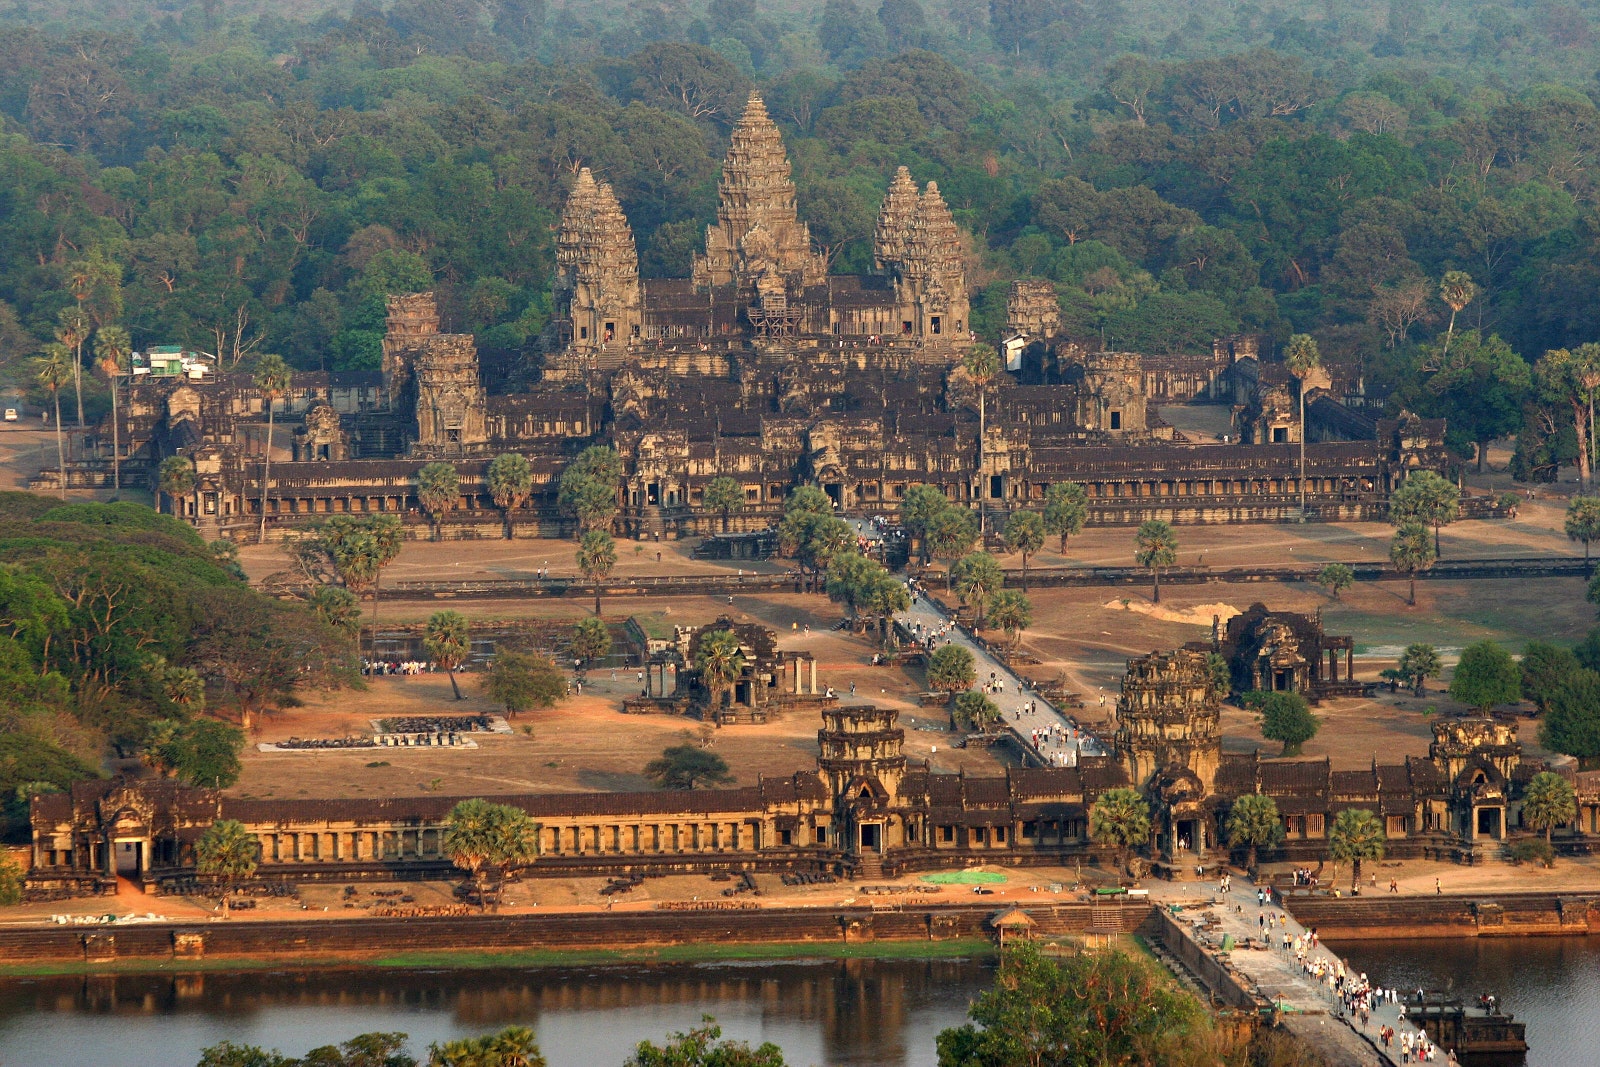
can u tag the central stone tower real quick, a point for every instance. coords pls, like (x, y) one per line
(599, 304)
(758, 234)
(1169, 719)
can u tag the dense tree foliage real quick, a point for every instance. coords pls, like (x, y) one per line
(119, 629)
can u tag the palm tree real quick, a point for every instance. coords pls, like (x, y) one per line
(1155, 546)
(1302, 357)
(483, 838)
(1121, 818)
(228, 851)
(1411, 551)
(1024, 533)
(448, 643)
(1457, 289)
(510, 481)
(597, 554)
(1012, 613)
(1357, 835)
(176, 478)
(273, 379)
(53, 370)
(438, 490)
(719, 659)
(1583, 521)
(359, 548)
(1066, 508)
(512, 1047)
(1549, 802)
(977, 577)
(982, 366)
(72, 332)
(112, 346)
(1254, 823)
(724, 495)
(1418, 663)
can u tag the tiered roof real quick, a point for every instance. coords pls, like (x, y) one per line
(595, 241)
(892, 234)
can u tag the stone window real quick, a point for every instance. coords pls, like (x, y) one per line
(1313, 825)
(947, 835)
(1396, 826)
(1030, 830)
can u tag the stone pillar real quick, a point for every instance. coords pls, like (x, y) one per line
(1350, 663)
(813, 677)
(796, 664)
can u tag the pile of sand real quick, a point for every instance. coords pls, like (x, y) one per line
(1200, 614)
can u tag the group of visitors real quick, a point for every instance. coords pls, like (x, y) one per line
(397, 666)
(1304, 876)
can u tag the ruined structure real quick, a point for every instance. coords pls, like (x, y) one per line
(763, 367)
(1285, 651)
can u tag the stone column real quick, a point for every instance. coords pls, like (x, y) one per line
(813, 677)
(796, 665)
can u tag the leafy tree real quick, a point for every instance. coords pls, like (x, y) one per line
(510, 479)
(273, 379)
(977, 578)
(1549, 802)
(812, 539)
(1428, 499)
(176, 478)
(1583, 521)
(1066, 509)
(112, 348)
(1084, 1008)
(228, 852)
(807, 499)
(11, 879)
(1356, 836)
(1411, 550)
(702, 1047)
(1571, 725)
(1302, 357)
(515, 1046)
(1544, 668)
(724, 496)
(1284, 717)
(848, 579)
(488, 840)
(597, 556)
(448, 642)
(1120, 817)
(1485, 676)
(1479, 385)
(974, 711)
(719, 658)
(687, 766)
(588, 488)
(1418, 663)
(591, 640)
(1024, 533)
(884, 597)
(1219, 675)
(522, 681)
(203, 753)
(1155, 546)
(359, 548)
(1335, 578)
(1253, 822)
(951, 534)
(1012, 612)
(438, 491)
(951, 669)
(228, 1054)
(918, 508)
(338, 609)
(53, 370)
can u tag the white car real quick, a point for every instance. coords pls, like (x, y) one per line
(11, 414)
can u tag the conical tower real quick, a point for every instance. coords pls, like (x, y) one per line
(931, 282)
(597, 269)
(758, 230)
(893, 231)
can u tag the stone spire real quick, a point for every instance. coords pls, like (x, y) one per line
(757, 228)
(597, 267)
(890, 236)
(933, 245)
(930, 277)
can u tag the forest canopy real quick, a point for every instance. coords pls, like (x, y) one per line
(245, 177)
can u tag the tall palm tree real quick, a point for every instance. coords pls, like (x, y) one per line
(228, 851)
(1011, 612)
(725, 496)
(510, 480)
(1548, 803)
(438, 491)
(1411, 551)
(719, 659)
(1254, 823)
(983, 367)
(1357, 835)
(112, 346)
(359, 549)
(176, 478)
(73, 330)
(1024, 534)
(448, 643)
(1121, 817)
(1457, 289)
(483, 838)
(53, 370)
(1155, 545)
(273, 379)
(597, 554)
(1302, 358)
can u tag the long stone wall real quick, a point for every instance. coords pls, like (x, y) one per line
(1449, 915)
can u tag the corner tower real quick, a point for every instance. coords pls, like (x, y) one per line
(1169, 720)
(930, 273)
(597, 295)
(758, 232)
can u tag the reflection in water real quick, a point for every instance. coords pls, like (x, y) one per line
(1551, 983)
(842, 1012)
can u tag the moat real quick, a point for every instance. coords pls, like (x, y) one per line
(854, 1012)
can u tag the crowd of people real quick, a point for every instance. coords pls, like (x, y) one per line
(380, 667)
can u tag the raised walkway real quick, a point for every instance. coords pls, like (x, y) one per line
(1061, 738)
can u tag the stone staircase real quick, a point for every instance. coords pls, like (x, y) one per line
(869, 867)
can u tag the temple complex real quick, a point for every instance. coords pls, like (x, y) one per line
(764, 367)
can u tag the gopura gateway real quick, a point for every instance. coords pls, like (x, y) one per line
(863, 812)
(764, 367)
